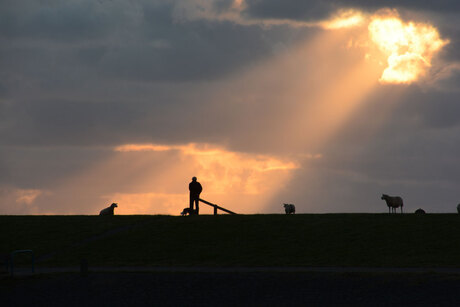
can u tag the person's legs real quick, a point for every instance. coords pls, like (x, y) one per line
(196, 204)
(192, 199)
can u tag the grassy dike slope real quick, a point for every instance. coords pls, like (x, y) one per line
(431, 240)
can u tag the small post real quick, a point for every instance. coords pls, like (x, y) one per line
(215, 210)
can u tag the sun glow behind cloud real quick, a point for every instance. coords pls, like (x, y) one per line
(229, 178)
(410, 47)
(238, 4)
(261, 163)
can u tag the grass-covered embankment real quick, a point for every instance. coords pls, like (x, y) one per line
(242, 240)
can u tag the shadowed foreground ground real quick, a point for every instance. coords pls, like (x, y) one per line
(359, 240)
(232, 289)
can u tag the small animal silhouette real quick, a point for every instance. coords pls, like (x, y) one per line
(108, 210)
(188, 211)
(289, 208)
(420, 211)
(393, 202)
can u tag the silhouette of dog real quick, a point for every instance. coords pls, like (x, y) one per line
(188, 211)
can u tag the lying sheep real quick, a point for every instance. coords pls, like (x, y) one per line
(420, 211)
(289, 208)
(108, 210)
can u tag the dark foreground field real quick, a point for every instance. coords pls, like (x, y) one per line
(371, 240)
(232, 289)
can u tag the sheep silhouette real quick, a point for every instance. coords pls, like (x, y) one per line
(393, 202)
(108, 210)
(289, 208)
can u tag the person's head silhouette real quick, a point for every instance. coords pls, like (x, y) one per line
(194, 179)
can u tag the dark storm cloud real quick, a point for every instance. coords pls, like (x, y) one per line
(199, 50)
(3, 91)
(43, 166)
(223, 5)
(433, 109)
(290, 9)
(162, 116)
(78, 59)
(55, 20)
(147, 44)
(450, 51)
(314, 10)
(66, 122)
(429, 117)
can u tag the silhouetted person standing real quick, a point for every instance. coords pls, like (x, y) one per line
(195, 189)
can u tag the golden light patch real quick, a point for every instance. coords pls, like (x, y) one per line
(409, 47)
(260, 162)
(27, 196)
(243, 182)
(145, 203)
(153, 178)
(142, 147)
(344, 19)
(224, 169)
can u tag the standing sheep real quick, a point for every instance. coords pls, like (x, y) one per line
(393, 202)
(108, 210)
(289, 208)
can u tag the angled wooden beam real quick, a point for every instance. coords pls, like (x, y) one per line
(216, 207)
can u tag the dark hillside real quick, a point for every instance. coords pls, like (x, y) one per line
(242, 240)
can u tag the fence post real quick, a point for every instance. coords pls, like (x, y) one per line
(215, 210)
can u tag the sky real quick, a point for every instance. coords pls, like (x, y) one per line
(323, 104)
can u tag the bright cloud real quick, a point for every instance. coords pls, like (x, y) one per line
(344, 19)
(410, 47)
